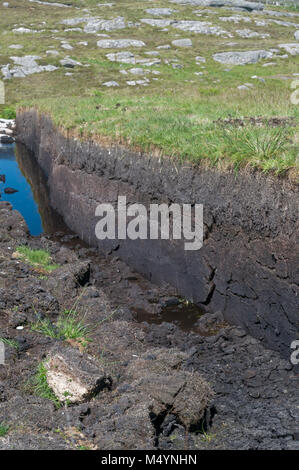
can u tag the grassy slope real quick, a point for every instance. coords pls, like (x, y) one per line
(175, 114)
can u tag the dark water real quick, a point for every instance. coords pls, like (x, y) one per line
(184, 315)
(23, 173)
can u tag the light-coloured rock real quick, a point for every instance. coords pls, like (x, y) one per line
(119, 43)
(70, 63)
(242, 58)
(235, 19)
(126, 57)
(52, 52)
(110, 84)
(182, 43)
(74, 377)
(200, 27)
(160, 11)
(24, 66)
(292, 48)
(248, 34)
(157, 23)
(16, 46)
(93, 26)
(164, 46)
(22, 30)
(297, 35)
(242, 4)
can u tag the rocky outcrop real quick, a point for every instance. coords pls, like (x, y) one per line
(247, 266)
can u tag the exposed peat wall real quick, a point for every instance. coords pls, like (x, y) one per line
(248, 266)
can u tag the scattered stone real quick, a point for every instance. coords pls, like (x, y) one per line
(201, 27)
(235, 19)
(110, 84)
(75, 377)
(256, 77)
(138, 71)
(241, 58)
(292, 49)
(119, 43)
(200, 59)
(93, 26)
(248, 34)
(61, 5)
(16, 46)
(242, 4)
(24, 30)
(157, 23)
(152, 53)
(73, 30)
(137, 82)
(278, 13)
(52, 52)
(182, 43)
(69, 63)
(164, 46)
(160, 11)
(66, 46)
(129, 58)
(123, 57)
(297, 35)
(26, 65)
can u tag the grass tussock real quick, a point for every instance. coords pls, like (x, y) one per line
(69, 326)
(4, 429)
(36, 258)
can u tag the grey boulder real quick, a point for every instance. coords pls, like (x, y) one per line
(119, 43)
(242, 58)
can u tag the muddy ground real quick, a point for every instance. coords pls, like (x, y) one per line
(255, 392)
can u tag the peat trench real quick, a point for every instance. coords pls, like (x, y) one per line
(255, 387)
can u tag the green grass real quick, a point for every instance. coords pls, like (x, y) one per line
(68, 326)
(173, 116)
(185, 128)
(8, 113)
(37, 258)
(4, 428)
(40, 385)
(10, 342)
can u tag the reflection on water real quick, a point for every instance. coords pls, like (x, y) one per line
(23, 173)
(184, 315)
(23, 200)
